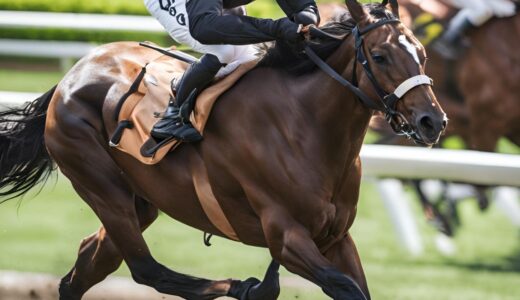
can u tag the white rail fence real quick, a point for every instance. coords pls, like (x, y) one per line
(24, 19)
(65, 50)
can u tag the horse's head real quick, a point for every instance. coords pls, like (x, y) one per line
(390, 67)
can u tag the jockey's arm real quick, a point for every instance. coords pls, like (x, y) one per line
(209, 26)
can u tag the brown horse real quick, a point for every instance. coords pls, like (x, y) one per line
(280, 152)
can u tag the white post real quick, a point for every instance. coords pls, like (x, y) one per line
(507, 199)
(397, 204)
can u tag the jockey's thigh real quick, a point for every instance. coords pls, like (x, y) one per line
(232, 56)
(174, 18)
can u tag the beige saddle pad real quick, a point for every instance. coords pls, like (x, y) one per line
(140, 109)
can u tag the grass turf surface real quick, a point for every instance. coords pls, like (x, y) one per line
(42, 234)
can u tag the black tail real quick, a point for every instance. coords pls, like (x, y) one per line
(24, 161)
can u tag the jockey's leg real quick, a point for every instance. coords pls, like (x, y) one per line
(219, 61)
(175, 122)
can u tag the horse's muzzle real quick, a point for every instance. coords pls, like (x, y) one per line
(429, 127)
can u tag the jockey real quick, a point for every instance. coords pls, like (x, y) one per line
(226, 42)
(473, 13)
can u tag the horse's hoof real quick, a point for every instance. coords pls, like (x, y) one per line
(254, 289)
(269, 288)
(341, 286)
(240, 289)
(66, 292)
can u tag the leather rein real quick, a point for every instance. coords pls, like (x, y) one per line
(386, 102)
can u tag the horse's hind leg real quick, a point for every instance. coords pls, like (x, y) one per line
(98, 256)
(99, 181)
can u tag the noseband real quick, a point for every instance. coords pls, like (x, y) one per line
(386, 102)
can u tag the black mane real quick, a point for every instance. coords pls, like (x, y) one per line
(281, 55)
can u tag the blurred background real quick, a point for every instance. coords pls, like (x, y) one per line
(454, 242)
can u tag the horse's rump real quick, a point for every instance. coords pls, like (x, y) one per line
(139, 112)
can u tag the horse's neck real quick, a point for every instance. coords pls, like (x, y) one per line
(342, 118)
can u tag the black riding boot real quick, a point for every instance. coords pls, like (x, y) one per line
(175, 122)
(450, 45)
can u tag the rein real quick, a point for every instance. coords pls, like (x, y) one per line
(386, 102)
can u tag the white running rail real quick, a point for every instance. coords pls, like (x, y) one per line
(26, 19)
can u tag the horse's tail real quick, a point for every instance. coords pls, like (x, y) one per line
(24, 161)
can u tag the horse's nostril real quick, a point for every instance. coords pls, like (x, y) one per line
(426, 123)
(444, 124)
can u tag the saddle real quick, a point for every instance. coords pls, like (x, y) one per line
(138, 110)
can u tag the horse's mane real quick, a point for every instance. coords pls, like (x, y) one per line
(282, 55)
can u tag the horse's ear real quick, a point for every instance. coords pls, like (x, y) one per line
(394, 6)
(356, 10)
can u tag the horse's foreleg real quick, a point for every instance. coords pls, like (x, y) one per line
(344, 256)
(291, 244)
(98, 256)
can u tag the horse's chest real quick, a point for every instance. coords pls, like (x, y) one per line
(331, 224)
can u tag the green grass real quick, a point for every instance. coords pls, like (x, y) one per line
(42, 234)
(28, 81)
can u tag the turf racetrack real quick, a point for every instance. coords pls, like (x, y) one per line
(42, 234)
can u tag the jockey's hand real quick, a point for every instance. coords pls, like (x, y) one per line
(290, 31)
(308, 16)
(306, 31)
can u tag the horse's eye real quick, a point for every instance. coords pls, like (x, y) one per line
(378, 59)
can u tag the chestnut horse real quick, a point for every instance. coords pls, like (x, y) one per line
(280, 151)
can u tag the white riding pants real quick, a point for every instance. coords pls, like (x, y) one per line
(173, 17)
(479, 12)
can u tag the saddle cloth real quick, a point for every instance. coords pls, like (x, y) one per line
(152, 96)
